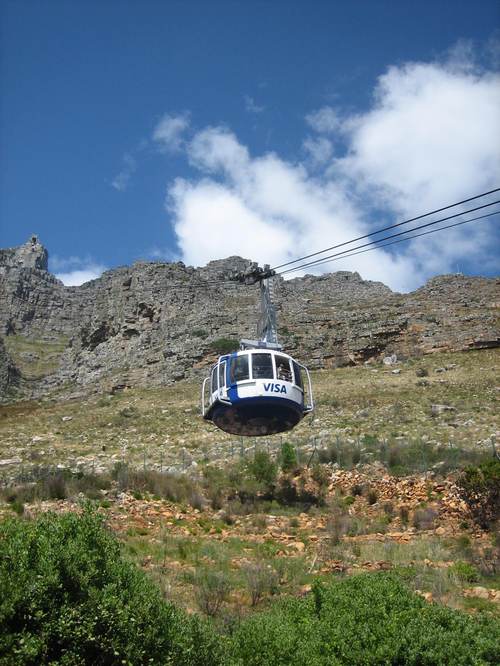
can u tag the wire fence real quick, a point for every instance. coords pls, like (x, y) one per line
(397, 456)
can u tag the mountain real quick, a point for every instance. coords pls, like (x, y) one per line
(153, 323)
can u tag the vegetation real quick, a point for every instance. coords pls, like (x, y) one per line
(288, 457)
(224, 345)
(68, 596)
(35, 358)
(480, 489)
(355, 406)
(238, 530)
(64, 484)
(366, 619)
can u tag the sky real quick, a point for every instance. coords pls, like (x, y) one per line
(194, 130)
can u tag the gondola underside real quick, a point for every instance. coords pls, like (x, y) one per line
(255, 419)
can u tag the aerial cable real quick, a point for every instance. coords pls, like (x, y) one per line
(379, 240)
(392, 226)
(401, 240)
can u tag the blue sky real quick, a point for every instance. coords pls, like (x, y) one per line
(195, 130)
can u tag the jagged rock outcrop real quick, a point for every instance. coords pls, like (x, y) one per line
(155, 323)
(30, 255)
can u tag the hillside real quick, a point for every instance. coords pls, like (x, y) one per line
(155, 324)
(365, 499)
(384, 448)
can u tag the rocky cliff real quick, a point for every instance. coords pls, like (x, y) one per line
(155, 323)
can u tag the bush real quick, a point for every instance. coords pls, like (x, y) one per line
(464, 572)
(224, 345)
(357, 490)
(68, 597)
(215, 483)
(320, 475)
(173, 487)
(212, 589)
(262, 468)
(479, 487)
(261, 579)
(57, 484)
(302, 489)
(288, 457)
(199, 333)
(365, 619)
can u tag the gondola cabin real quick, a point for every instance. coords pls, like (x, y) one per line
(256, 392)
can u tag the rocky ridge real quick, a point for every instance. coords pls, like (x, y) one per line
(155, 323)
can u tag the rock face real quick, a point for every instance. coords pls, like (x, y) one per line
(30, 255)
(155, 323)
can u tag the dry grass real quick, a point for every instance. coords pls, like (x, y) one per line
(161, 427)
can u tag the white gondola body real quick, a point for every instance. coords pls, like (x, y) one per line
(256, 392)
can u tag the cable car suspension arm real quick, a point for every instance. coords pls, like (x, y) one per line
(267, 332)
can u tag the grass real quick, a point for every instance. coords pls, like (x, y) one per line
(35, 358)
(254, 572)
(158, 426)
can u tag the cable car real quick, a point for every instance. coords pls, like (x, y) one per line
(258, 390)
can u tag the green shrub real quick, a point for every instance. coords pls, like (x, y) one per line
(129, 412)
(212, 589)
(216, 486)
(404, 514)
(288, 457)
(465, 572)
(173, 487)
(365, 619)
(291, 490)
(320, 475)
(68, 597)
(260, 579)
(57, 484)
(224, 345)
(262, 468)
(479, 487)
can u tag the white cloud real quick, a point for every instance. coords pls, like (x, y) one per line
(217, 149)
(251, 106)
(324, 120)
(319, 149)
(73, 271)
(168, 133)
(429, 139)
(262, 208)
(121, 181)
(80, 276)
